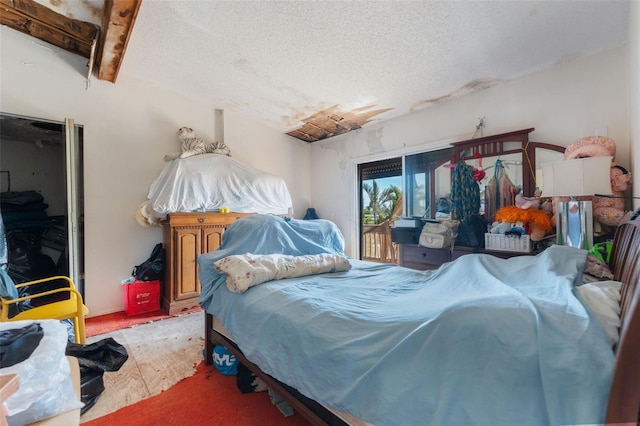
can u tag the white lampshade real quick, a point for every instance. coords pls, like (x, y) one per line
(577, 177)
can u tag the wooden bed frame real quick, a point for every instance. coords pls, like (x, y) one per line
(624, 399)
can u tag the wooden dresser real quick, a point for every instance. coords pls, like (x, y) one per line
(185, 236)
(423, 258)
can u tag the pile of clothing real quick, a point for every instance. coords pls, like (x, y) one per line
(24, 209)
(25, 219)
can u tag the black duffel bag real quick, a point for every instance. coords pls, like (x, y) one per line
(151, 269)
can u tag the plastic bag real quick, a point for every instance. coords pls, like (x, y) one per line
(602, 251)
(224, 361)
(95, 359)
(17, 344)
(45, 388)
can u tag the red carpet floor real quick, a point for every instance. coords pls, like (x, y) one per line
(206, 398)
(119, 320)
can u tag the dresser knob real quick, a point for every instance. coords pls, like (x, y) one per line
(200, 219)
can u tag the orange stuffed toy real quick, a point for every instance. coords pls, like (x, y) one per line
(527, 211)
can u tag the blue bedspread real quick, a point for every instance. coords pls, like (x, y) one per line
(480, 341)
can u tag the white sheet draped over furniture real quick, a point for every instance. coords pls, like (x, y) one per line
(482, 340)
(209, 182)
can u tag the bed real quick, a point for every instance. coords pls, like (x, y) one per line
(481, 340)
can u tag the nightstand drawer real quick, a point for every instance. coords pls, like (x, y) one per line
(423, 258)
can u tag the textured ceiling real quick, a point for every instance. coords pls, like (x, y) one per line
(281, 62)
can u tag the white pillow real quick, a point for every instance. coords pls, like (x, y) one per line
(603, 298)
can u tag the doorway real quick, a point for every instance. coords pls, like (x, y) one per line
(41, 198)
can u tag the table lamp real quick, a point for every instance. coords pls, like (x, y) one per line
(578, 177)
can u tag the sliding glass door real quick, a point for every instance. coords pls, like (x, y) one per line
(380, 201)
(73, 166)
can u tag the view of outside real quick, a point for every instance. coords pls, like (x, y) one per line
(380, 197)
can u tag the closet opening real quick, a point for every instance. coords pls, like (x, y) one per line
(41, 199)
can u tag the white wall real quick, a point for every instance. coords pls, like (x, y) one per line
(634, 95)
(564, 103)
(128, 127)
(259, 146)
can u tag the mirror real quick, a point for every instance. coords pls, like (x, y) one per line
(544, 156)
(423, 182)
(522, 162)
(511, 168)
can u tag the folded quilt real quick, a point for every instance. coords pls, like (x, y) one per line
(246, 270)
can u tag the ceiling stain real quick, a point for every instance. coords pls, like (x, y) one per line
(301, 113)
(374, 141)
(332, 121)
(472, 86)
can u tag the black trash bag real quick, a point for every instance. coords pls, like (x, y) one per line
(151, 269)
(471, 231)
(26, 262)
(17, 344)
(95, 359)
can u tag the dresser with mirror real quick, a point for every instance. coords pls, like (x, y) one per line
(521, 160)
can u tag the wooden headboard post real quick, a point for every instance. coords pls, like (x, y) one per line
(624, 399)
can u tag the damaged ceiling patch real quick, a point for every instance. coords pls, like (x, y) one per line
(332, 121)
(472, 86)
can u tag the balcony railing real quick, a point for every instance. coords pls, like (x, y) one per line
(377, 244)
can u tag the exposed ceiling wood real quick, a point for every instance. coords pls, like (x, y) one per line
(78, 37)
(331, 122)
(38, 21)
(119, 18)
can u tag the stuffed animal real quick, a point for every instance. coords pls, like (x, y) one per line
(607, 211)
(610, 211)
(527, 202)
(191, 144)
(527, 211)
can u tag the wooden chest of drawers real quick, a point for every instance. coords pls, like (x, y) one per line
(185, 236)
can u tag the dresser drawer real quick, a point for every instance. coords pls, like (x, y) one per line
(201, 219)
(423, 258)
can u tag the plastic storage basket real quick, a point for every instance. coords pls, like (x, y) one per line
(501, 242)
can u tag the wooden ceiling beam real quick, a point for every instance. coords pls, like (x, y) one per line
(119, 18)
(40, 22)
